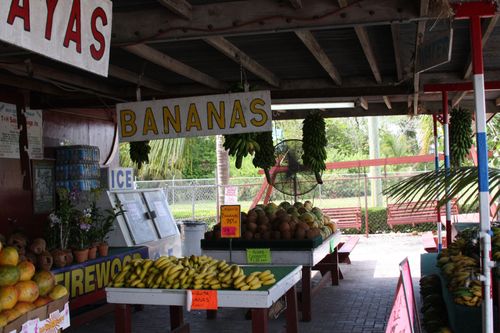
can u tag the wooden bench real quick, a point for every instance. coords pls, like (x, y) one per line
(430, 242)
(416, 212)
(346, 217)
(346, 248)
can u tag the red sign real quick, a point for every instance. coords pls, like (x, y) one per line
(203, 299)
(404, 266)
(399, 322)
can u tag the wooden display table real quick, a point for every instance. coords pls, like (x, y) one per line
(259, 301)
(324, 258)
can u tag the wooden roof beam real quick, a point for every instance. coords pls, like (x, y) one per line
(317, 51)
(137, 79)
(424, 9)
(397, 52)
(53, 75)
(497, 102)
(387, 102)
(233, 18)
(363, 103)
(167, 62)
(297, 4)
(237, 55)
(181, 8)
(30, 84)
(487, 30)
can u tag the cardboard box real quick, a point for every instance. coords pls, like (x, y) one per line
(40, 313)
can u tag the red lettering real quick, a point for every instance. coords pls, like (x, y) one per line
(73, 31)
(51, 7)
(98, 36)
(20, 11)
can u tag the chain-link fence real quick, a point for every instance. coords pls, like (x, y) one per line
(197, 198)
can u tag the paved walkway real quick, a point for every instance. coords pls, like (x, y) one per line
(361, 303)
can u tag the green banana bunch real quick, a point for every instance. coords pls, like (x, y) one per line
(314, 143)
(139, 152)
(460, 136)
(264, 157)
(240, 145)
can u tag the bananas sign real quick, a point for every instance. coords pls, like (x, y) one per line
(195, 116)
(96, 274)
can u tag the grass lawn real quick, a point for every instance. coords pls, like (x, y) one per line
(208, 208)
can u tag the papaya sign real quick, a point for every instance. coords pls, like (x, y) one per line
(195, 116)
(76, 32)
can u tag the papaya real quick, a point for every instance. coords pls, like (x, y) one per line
(27, 291)
(45, 281)
(9, 275)
(3, 320)
(9, 256)
(24, 307)
(59, 291)
(27, 270)
(8, 297)
(41, 301)
(11, 314)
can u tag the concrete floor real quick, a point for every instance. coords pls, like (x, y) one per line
(361, 303)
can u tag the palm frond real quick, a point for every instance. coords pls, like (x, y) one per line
(462, 183)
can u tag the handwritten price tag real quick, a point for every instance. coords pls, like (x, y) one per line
(203, 299)
(258, 256)
(230, 221)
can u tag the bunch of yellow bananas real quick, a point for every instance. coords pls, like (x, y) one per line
(194, 272)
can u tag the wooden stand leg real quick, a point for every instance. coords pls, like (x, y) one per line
(335, 267)
(292, 325)
(306, 293)
(211, 314)
(259, 321)
(123, 318)
(176, 317)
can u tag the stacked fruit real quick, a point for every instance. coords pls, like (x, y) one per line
(435, 318)
(462, 273)
(194, 272)
(271, 222)
(21, 289)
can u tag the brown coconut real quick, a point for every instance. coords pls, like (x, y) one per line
(286, 235)
(300, 233)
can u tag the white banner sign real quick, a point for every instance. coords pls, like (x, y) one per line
(195, 116)
(76, 32)
(230, 195)
(9, 133)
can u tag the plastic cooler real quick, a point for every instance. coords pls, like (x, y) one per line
(192, 232)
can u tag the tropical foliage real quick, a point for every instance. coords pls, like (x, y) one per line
(462, 182)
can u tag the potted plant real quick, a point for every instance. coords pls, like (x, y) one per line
(81, 236)
(59, 227)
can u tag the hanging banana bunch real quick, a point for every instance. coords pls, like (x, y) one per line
(314, 144)
(240, 145)
(264, 157)
(139, 152)
(460, 136)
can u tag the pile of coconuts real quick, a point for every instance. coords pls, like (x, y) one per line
(282, 222)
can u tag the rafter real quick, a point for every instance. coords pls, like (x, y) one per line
(490, 26)
(167, 62)
(234, 18)
(138, 79)
(237, 55)
(297, 4)
(424, 8)
(363, 103)
(317, 51)
(497, 102)
(387, 102)
(181, 8)
(30, 84)
(397, 52)
(53, 75)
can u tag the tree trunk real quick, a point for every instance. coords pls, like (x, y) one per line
(222, 167)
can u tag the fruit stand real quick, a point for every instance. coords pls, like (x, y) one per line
(174, 281)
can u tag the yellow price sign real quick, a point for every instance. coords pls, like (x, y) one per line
(230, 221)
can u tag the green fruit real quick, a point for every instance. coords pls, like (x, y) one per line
(9, 275)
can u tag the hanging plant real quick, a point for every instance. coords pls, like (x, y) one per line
(139, 152)
(460, 136)
(314, 143)
(264, 157)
